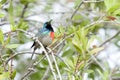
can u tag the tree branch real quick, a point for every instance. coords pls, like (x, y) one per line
(16, 54)
(2, 61)
(23, 11)
(31, 68)
(46, 53)
(110, 39)
(77, 9)
(54, 60)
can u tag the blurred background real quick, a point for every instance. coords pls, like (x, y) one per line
(87, 30)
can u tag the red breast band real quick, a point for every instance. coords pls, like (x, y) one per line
(52, 35)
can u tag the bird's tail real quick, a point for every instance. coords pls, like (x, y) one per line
(32, 54)
(33, 44)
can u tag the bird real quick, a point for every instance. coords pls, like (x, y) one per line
(45, 36)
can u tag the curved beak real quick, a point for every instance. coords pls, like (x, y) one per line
(50, 21)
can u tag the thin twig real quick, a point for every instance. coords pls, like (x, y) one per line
(46, 53)
(46, 76)
(55, 64)
(110, 39)
(3, 23)
(23, 11)
(61, 42)
(2, 61)
(26, 75)
(18, 53)
(28, 52)
(32, 66)
(11, 70)
(94, 56)
(93, 23)
(77, 9)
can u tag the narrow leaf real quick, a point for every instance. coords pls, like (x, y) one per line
(1, 37)
(11, 46)
(96, 50)
(11, 14)
(8, 40)
(3, 1)
(13, 28)
(2, 15)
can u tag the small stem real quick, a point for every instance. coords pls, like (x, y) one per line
(23, 11)
(76, 9)
(56, 66)
(110, 39)
(11, 71)
(1, 59)
(50, 63)
(46, 76)
(32, 66)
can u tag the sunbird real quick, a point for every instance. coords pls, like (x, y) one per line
(45, 36)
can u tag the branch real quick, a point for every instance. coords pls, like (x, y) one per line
(16, 54)
(23, 11)
(94, 57)
(2, 61)
(4, 23)
(60, 49)
(31, 68)
(46, 76)
(54, 60)
(77, 9)
(110, 39)
(46, 53)
(61, 42)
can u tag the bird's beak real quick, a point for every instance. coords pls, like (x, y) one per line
(50, 21)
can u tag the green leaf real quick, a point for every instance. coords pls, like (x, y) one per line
(114, 8)
(70, 63)
(3, 1)
(77, 46)
(89, 71)
(5, 76)
(11, 46)
(13, 74)
(116, 74)
(8, 40)
(68, 52)
(22, 25)
(22, 37)
(96, 50)
(26, 1)
(1, 37)
(112, 5)
(1, 69)
(90, 42)
(2, 15)
(13, 28)
(117, 12)
(11, 13)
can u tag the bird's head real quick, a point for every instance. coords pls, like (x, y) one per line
(47, 28)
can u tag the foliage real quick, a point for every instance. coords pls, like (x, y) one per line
(78, 55)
